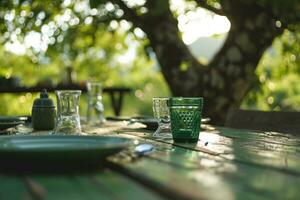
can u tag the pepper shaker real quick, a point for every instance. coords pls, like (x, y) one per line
(43, 112)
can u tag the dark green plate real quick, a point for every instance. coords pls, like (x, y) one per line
(59, 150)
(10, 121)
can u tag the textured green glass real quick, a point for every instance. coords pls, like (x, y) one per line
(185, 116)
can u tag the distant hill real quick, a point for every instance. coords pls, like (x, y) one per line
(206, 47)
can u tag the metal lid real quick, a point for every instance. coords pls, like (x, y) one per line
(186, 101)
(44, 100)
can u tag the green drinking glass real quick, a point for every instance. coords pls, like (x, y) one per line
(185, 114)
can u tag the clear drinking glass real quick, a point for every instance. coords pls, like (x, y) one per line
(68, 120)
(162, 114)
(95, 108)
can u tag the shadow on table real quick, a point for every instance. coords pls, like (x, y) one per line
(12, 167)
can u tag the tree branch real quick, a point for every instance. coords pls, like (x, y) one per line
(107, 18)
(129, 13)
(204, 4)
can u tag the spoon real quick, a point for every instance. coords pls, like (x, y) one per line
(143, 149)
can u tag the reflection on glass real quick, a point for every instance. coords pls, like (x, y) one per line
(68, 120)
(95, 109)
(162, 114)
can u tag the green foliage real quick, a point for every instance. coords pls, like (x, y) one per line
(140, 74)
(83, 40)
(278, 74)
(95, 43)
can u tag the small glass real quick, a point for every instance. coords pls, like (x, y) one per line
(95, 107)
(185, 116)
(68, 120)
(162, 114)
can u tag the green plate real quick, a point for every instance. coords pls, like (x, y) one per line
(10, 121)
(59, 150)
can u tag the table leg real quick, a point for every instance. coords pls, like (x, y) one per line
(116, 102)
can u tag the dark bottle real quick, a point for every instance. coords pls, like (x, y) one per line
(43, 112)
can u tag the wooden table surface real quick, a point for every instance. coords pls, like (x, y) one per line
(225, 164)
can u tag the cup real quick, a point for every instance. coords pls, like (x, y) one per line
(95, 107)
(185, 115)
(68, 120)
(162, 115)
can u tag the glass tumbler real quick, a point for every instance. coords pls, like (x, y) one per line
(185, 114)
(68, 120)
(162, 115)
(95, 107)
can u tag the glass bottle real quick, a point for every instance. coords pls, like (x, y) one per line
(95, 107)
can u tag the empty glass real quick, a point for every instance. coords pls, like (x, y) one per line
(95, 108)
(162, 114)
(68, 120)
(186, 115)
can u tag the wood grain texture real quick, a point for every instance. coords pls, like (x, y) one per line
(270, 150)
(225, 164)
(281, 121)
(249, 164)
(103, 184)
(12, 187)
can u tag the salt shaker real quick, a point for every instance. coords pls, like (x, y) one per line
(43, 112)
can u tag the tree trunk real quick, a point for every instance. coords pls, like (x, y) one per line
(232, 70)
(180, 68)
(225, 81)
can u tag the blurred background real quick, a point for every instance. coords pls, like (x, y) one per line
(47, 43)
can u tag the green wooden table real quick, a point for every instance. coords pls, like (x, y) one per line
(225, 164)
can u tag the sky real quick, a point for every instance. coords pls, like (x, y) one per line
(202, 24)
(198, 22)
